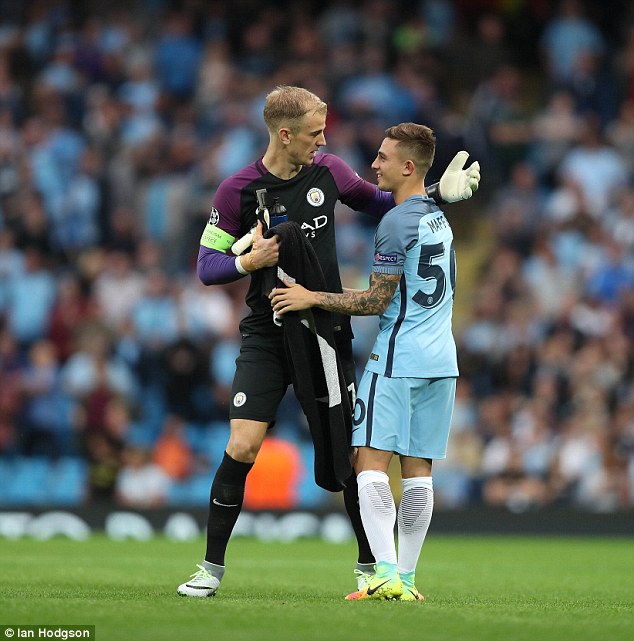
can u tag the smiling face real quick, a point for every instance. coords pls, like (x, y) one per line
(390, 166)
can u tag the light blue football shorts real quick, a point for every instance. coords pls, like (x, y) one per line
(408, 416)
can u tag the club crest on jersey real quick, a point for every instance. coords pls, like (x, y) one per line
(315, 197)
(239, 399)
(214, 216)
(385, 258)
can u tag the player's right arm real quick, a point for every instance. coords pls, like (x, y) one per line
(456, 184)
(372, 301)
(215, 266)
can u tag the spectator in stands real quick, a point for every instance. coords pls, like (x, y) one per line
(499, 124)
(118, 285)
(595, 167)
(171, 452)
(280, 460)
(74, 307)
(141, 483)
(619, 133)
(48, 419)
(12, 364)
(29, 299)
(93, 368)
(11, 263)
(178, 54)
(516, 210)
(104, 461)
(186, 382)
(557, 128)
(567, 37)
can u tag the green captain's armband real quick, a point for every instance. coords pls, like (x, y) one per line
(215, 238)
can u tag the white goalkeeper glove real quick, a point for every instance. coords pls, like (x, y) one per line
(458, 183)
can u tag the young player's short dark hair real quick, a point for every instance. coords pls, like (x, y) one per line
(417, 141)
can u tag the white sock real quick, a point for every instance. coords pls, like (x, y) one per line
(214, 569)
(414, 516)
(378, 514)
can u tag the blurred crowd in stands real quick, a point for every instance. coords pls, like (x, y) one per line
(118, 120)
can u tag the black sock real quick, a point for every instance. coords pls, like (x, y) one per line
(351, 501)
(225, 503)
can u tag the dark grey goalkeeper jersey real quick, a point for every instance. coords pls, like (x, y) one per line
(310, 198)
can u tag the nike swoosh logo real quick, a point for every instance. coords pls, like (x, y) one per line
(371, 591)
(224, 504)
(199, 587)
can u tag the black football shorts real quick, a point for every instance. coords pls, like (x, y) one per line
(263, 376)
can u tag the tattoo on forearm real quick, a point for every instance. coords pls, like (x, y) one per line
(369, 302)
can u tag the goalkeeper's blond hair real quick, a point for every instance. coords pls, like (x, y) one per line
(286, 106)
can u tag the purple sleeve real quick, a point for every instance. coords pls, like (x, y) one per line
(216, 268)
(356, 193)
(226, 203)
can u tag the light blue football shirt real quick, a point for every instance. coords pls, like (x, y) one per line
(415, 335)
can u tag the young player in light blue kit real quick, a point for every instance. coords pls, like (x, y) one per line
(406, 395)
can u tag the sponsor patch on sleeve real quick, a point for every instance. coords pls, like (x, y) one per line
(385, 258)
(215, 238)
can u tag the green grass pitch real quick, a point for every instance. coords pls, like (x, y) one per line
(477, 588)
